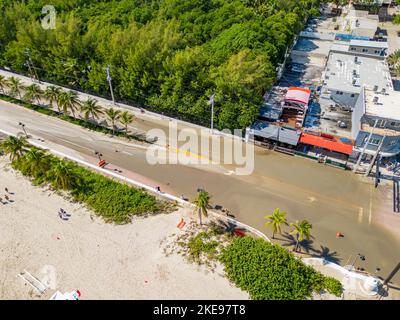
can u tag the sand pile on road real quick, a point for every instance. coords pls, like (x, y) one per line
(103, 261)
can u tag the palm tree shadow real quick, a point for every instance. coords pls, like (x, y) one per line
(328, 255)
(305, 245)
(230, 227)
(227, 226)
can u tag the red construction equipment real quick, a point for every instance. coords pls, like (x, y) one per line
(181, 224)
(239, 233)
(102, 163)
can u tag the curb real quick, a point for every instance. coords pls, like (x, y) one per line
(141, 185)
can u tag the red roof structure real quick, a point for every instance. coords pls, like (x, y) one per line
(326, 141)
(299, 95)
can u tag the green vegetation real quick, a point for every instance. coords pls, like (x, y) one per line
(202, 202)
(170, 55)
(269, 272)
(276, 220)
(113, 201)
(302, 230)
(80, 122)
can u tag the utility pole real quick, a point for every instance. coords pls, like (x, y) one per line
(30, 66)
(109, 82)
(377, 172)
(211, 101)
(375, 156)
(392, 274)
(365, 146)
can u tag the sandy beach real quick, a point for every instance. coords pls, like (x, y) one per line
(102, 261)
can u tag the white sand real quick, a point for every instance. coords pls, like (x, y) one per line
(103, 261)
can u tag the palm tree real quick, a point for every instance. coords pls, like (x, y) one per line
(113, 115)
(202, 202)
(33, 92)
(276, 220)
(62, 175)
(126, 119)
(36, 162)
(394, 58)
(302, 230)
(91, 108)
(51, 94)
(68, 100)
(15, 147)
(3, 84)
(15, 86)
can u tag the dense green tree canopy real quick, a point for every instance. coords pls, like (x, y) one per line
(168, 54)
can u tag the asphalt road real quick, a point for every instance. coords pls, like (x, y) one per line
(331, 199)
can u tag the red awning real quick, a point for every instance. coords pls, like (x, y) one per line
(297, 94)
(329, 143)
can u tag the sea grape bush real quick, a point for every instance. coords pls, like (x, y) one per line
(270, 272)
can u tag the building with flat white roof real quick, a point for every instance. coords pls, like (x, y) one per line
(378, 113)
(346, 74)
(360, 23)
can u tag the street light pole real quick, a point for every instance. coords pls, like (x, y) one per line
(211, 101)
(109, 82)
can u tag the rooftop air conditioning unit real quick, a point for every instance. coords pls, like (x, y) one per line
(376, 88)
(355, 59)
(383, 91)
(376, 99)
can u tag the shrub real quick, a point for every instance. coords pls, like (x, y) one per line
(114, 201)
(270, 272)
(202, 244)
(333, 286)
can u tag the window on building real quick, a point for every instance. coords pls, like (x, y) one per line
(374, 141)
(381, 123)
